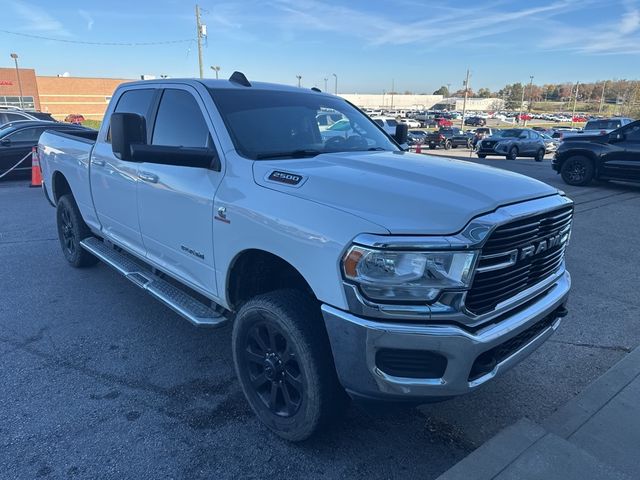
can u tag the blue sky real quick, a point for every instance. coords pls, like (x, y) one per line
(420, 44)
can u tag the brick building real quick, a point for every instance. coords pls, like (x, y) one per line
(59, 96)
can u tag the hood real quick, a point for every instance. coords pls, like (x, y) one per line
(582, 137)
(403, 192)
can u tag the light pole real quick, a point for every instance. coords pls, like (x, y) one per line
(216, 69)
(15, 59)
(299, 77)
(521, 103)
(335, 89)
(325, 83)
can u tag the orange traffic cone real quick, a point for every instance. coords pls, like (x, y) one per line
(418, 147)
(36, 175)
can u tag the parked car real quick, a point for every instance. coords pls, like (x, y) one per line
(13, 114)
(411, 123)
(605, 125)
(481, 133)
(475, 121)
(612, 156)
(388, 124)
(449, 137)
(350, 268)
(419, 136)
(551, 144)
(74, 118)
(18, 138)
(513, 143)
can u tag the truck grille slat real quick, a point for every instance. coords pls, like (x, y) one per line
(495, 286)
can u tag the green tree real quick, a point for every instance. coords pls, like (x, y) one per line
(484, 93)
(512, 95)
(443, 90)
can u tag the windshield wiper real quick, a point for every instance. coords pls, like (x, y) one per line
(376, 149)
(292, 154)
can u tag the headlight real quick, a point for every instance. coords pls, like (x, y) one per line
(407, 276)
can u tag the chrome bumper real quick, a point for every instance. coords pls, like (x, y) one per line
(355, 342)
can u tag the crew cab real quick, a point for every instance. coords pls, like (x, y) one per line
(449, 137)
(348, 267)
(611, 156)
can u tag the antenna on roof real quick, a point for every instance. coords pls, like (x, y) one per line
(240, 79)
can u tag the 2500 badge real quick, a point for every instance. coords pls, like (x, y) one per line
(284, 177)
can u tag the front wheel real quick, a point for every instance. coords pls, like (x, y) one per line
(284, 363)
(513, 153)
(577, 170)
(71, 231)
(447, 145)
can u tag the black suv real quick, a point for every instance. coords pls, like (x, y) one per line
(613, 156)
(475, 121)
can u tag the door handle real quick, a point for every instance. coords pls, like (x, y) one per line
(97, 163)
(148, 177)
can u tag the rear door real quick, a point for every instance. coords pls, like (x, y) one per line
(175, 200)
(114, 181)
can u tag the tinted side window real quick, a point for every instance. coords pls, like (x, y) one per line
(26, 135)
(633, 134)
(179, 122)
(14, 117)
(134, 101)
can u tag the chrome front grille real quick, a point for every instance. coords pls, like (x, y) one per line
(517, 256)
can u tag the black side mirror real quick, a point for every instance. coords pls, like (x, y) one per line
(127, 129)
(402, 133)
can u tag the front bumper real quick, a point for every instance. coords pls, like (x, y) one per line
(355, 342)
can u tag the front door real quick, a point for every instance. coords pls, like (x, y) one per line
(114, 181)
(175, 201)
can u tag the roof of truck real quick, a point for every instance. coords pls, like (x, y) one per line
(226, 84)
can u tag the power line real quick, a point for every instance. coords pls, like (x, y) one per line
(81, 42)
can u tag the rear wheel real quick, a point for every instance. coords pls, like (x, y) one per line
(513, 153)
(71, 231)
(482, 155)
(447, 145)
(577, 170)
(284, 363)
(539, 155)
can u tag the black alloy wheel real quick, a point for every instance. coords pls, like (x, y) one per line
(577, 171)
(273, 369)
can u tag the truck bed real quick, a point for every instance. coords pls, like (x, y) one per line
(68, 153)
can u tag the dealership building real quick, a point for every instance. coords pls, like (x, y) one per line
(59, 95)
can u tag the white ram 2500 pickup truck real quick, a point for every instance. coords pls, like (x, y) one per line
(349, 267)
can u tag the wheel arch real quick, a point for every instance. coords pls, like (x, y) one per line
(59, 186)
(256, 271)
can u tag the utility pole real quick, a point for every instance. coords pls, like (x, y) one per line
(575, 101)
(464, 103)
(15, 59)
(602, 97)
(521, 104)
(200, 32)
(335, 89)
(325, 83)
(393, 91)
(530, 92)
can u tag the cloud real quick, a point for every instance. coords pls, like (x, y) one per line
(620, 36)
(87, 17)
(35, 19)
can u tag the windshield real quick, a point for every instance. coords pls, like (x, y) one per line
(275, 124)
(511, 133)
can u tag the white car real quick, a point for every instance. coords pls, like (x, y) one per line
(388, 124)
(411, 123)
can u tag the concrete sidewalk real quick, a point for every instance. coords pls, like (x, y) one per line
(596, 435)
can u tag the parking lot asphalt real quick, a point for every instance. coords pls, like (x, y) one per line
(101, 381)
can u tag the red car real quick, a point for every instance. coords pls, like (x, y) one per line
(74, 118)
